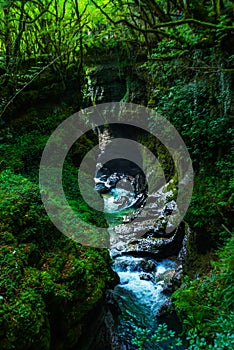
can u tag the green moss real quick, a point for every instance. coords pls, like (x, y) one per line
(162, 155)
(47, 280)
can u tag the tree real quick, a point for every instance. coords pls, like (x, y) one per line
(47, 35)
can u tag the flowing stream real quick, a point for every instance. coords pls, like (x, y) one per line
(139, 295)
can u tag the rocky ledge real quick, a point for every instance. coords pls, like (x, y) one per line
(149, 231)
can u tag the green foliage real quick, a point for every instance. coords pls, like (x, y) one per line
(47, 281)
(42, 271)
(21, 149)
(223, 339)
(206, 304)
(35, 288)
(85, 212)
(197, 99)
(21, 153)
(213, 199)
(162, 338)
(190, 83)
(22, 212)
(189, 107)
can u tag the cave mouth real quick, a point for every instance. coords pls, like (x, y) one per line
(122, 185)
(120, 166)
(120, 173)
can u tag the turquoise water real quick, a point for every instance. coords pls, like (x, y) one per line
(140, 295)
(117, 204)
(118, 200)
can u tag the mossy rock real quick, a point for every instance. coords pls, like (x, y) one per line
(47, 280)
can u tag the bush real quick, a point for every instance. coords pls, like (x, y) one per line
(206, 304)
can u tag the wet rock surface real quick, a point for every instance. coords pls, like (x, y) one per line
(105, 183)
(147, 247)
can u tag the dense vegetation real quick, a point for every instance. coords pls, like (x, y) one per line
(48, 283)
(183, 53)
(43, 273)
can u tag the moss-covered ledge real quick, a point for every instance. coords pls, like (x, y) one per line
(48, 283)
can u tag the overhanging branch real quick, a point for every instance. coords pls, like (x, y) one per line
(155, 28)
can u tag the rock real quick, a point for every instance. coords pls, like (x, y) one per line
(169, 208)
(174, 282)
(122, 202)
(162, 247)
(169, 289)
(167, 314)
(103, 178)
(101, 188)
(112, 180)
(183, 251)
(176, 279)
(127, 219)
(112, 304)
(146, 277)
(117, 249)
(166, 309)
(148, 265)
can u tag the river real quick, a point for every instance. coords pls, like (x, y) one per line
(139, 295)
